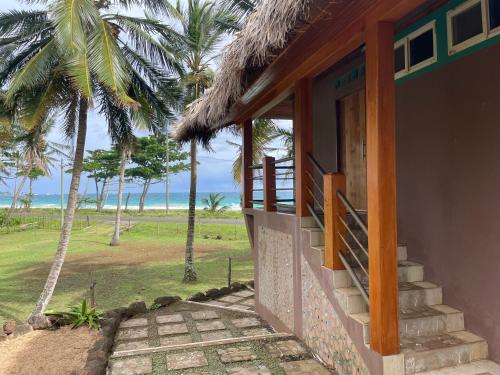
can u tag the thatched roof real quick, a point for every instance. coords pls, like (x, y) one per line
(266, 31)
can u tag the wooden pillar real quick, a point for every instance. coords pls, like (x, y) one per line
(247, 171)
(269, 184)
(333, 182)
(381, 164)
(302, 127)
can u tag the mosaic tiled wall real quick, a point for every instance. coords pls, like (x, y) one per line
(276, 273)
(323, 330)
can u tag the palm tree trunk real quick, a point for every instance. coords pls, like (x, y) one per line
(145, 190)
(96, 194)
(189, 270)
(37, 319)
(103, 192)
(115, 241)
(16, 197)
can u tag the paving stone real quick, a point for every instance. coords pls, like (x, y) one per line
(205, 315)
(248, 302)
(132, 366)
(132, 334)
(174, 318)
(210, 326)
(218, 303)
(172, 329)
(285, 348)
(230, 299)
(308, 367)
(246, 322)
(186, 360)
(240, 307)
(254, 370)
(176, 340)
(131, 345)
(236, 354)
(139, 322)
(217, 335)
(243, 293)
(256, 332)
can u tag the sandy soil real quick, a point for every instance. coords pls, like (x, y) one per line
(57, 352)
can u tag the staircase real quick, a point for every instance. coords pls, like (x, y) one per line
(433, 337)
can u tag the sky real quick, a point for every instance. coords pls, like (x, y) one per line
(214, 172)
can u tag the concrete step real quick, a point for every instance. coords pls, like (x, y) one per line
(411, 296)
(483, 367)
(408, 272)
(425, 321)
(436, 352)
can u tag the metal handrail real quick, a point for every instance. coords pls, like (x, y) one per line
(316, 164)
(320, 206)
(316, 217)
(257, 166)
(316, 185)
(353, 253)
(284, 160)
(353, 212)
(355, 278)
(358, 242)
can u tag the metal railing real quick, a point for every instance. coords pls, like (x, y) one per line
(319, 206)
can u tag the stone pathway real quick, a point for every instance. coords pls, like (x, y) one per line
(196, 339)
(242, 300)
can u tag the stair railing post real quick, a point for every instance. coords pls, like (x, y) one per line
(269, 169)
(333, 182)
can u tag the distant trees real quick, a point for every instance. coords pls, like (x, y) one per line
(149, 159)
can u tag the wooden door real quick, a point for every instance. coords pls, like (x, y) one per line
(352, 121)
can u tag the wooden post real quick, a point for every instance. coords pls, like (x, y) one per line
(333, 182)
(269, 184)
(302, 128)
(247, 171)
(381, 164)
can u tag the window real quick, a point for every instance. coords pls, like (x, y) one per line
(415, 51)
(466, 25)
(494, 15)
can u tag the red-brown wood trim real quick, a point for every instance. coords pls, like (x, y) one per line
(269, 184)
(302, 128)
(247, 171)
(381, 165)
(333, 182)
(323, 44)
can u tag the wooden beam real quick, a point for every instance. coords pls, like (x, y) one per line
(333, 182)
(269, 184)
(381, 180)
(247, 171)
(302, 128)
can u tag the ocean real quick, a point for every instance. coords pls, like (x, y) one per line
(154, 201)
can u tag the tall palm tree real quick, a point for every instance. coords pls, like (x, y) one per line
(124, 149)
(36, 153)
(72, 56)
(196, 32)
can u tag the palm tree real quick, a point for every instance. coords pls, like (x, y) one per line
(214, 203)
(124, 156)
(196, 31)
(36, 154)
(72, 56)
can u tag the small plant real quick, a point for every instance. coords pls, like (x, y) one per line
(213, 203)
(79, 315)
(154, 306)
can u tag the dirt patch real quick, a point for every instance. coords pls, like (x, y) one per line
(47, 352)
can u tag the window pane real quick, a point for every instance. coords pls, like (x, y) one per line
(422, 48)
(494, 14)
(467, 24)
(399, 59)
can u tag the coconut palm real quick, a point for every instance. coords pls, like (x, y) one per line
(37, 153)
(213, 203)
(124, 149)
(75, 55)
(196, 31)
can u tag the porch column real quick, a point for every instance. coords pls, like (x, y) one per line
(302, 128)
(269, 168)
(381, 164)
(247, 171)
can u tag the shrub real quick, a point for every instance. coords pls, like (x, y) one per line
(79, 315)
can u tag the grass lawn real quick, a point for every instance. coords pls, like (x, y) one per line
(148, 263)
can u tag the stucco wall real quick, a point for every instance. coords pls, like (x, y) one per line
(448, 179)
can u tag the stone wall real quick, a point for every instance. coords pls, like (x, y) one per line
(322, 329)
(275, 270)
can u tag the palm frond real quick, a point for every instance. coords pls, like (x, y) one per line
(21, 21)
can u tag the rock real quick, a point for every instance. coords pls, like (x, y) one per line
(213, 293)
(219, 237)
(251, 284)
(137, 308)
(167, 300)
(198, 297)
(9, 327)
(94, 367)
(23, 329)
(39, 322)
(225, 290)
(236, 287)
(3, 336)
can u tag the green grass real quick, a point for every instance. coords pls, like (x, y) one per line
(148, 263)
(237, 214)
